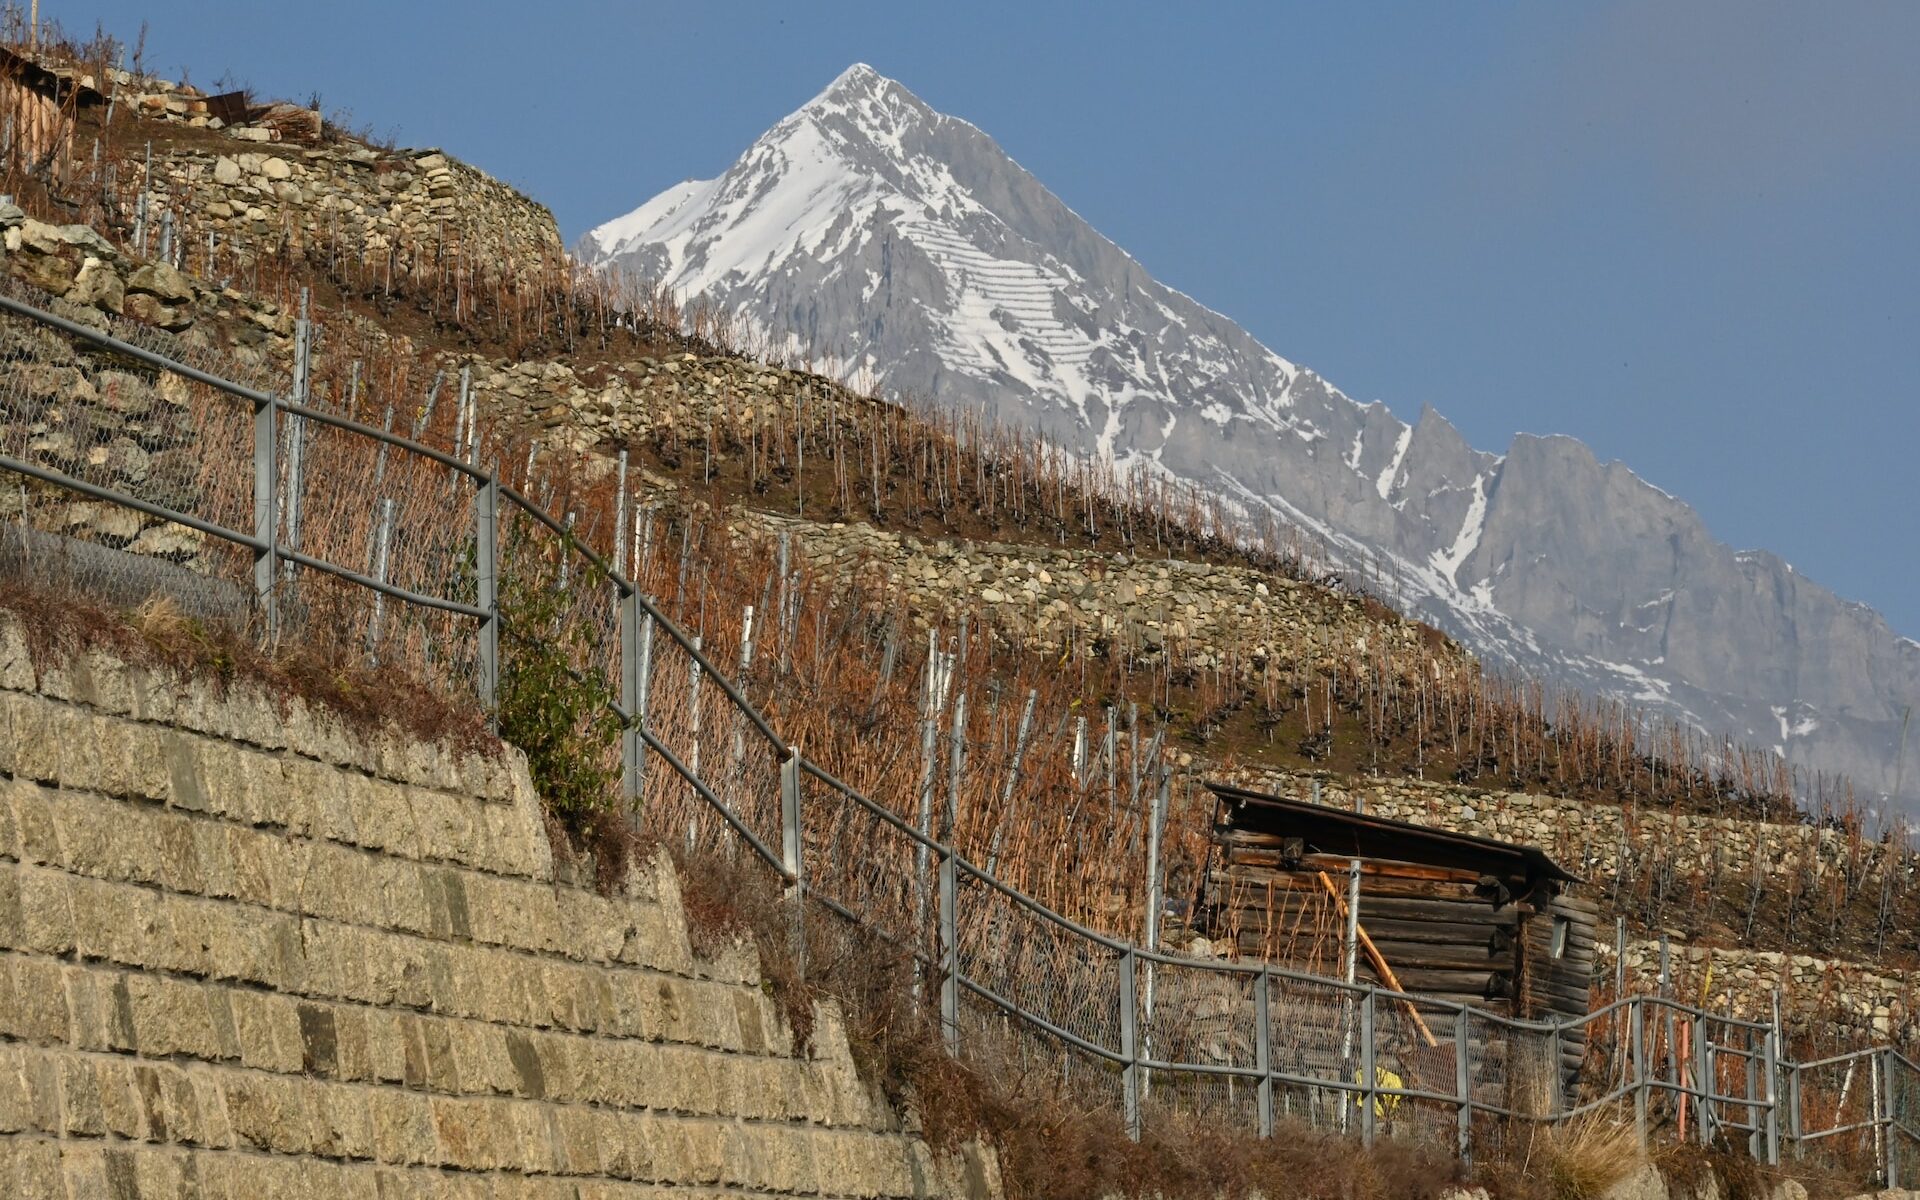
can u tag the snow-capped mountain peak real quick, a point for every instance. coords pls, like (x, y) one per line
(883, 234)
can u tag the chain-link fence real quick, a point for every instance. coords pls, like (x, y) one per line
(142, 468)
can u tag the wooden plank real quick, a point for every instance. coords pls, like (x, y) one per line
(1413, 908)
(1251, 878)
(1465, 933)
(1461, 983)
(1378, 868)
(1416, 955)
(1379, 963)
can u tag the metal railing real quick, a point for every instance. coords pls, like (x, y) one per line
(1135, 1028)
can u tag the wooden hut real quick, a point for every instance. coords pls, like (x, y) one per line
(1442, 914)
(38, 105)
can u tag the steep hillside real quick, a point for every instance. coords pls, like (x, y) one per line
(1122, 604)
(908, 247)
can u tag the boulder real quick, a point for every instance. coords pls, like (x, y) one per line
(1644, 1182)
(97, 284)
(163, 282)
(49, 271)
(150, 309)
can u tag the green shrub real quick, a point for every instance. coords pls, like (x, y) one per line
(555, 712)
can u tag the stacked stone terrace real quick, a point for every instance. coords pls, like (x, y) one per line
(369, 201)
(244, 952)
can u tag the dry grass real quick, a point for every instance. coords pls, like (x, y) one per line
(60, 625)
(1049, 1148)
(1584, 1158)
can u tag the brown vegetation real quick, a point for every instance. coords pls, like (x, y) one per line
(320, 671)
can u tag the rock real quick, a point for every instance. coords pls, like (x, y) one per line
(162, 282)
(49, 271)
(1643, 1182)
(108, 522)
(99, 286)
(58, 239)
(277, 168)
(150, 309)
(226, 172)
(169, 541)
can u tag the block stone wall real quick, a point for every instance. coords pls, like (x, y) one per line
(244, 953)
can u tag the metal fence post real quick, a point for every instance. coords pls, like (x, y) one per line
(633, 747)
(1770, 1064)
(266, 510)
(792, 848)
(486, 516)
(1637, 1029)
(1263, 1046)
(1129, 1046)
(1370, 1075)
(1890, 1146)
(949, 952)
(1703, 1080)
(1463, 1080)
(1796, 1124)
(1876, 1119)
(636, 638)
(296, 428)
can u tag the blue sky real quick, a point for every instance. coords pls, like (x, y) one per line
(1686, 233)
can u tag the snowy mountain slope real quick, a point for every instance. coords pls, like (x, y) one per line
(907, 243)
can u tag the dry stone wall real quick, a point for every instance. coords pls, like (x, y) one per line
(74, 263)
(1042, 596)
(364, 201)
(1592, 840)
(1038, 594)
(645, 396)
(245, 953)
(1838, 1003)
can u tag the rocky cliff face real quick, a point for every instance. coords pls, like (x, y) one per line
(908, 245)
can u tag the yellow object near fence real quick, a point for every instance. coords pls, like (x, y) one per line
(1383, 1106)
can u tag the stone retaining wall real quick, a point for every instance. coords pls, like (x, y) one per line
(243, 953)
(1841, 1004)
(642, 397)
(1039, 594)
(1590, 839)
(367, 201)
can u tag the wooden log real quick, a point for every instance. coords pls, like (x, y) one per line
(1253, 877)
(1379, 963)
(1428, 956)
(1463, 933)
(1453, 983)
(1416, 908)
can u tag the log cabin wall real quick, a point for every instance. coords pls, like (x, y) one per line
(1449, 916)
(1437, 931)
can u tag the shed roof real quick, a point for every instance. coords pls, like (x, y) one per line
(1356, 835)
(57, 81)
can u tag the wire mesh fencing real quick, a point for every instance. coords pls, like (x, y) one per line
(138, 469)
